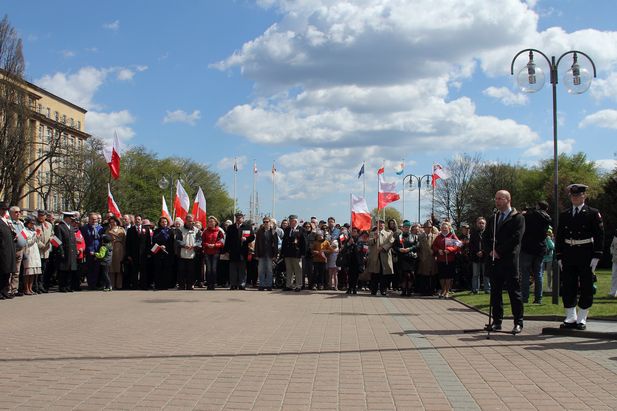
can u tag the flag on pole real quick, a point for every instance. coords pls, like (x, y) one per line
(112, 157)
(438, 172)
(165, 211)
(235, 165)
(181, 201)
(112, 207)
(387, 192)
(273, 168)
(360, 215)
(157, 248)
(199, 208)
(361, 171)
(399, 168)
(254, 168)
(381, 170)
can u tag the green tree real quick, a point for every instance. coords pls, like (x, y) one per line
(391, 212)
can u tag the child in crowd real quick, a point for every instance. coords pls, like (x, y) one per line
(332, 268)
(103, 256)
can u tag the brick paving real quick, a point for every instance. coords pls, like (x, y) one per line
(239, 350)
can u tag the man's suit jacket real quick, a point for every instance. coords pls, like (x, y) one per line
(138, 243)
(508, 236)
(67, 252)
(7, 249)
(237, 249)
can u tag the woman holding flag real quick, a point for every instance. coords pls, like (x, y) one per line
(162, 254)
(445, 247)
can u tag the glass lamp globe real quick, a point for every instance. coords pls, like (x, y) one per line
(530, 78)
(577, 80)
(163, 183)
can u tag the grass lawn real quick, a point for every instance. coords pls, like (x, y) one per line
(604, 307)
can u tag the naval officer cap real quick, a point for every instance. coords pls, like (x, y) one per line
(576, 189)
(69, 214)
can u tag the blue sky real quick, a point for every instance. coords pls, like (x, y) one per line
(321, 86)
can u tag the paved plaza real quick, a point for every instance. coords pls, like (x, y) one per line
(286, 351)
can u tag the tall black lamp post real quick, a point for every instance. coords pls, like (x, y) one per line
(419, 180)
(577, 80)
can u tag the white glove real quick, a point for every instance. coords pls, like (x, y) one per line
(560, 265)
(594, 264)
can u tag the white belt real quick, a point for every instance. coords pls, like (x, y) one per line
(578, 242)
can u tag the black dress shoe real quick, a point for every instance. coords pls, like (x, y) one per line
(581, 326)
(517, 329)
(567, 325)
(493, 327)
(269, 289)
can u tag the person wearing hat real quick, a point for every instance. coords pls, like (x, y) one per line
(406, 248)
(7, 252)
(45, 231)
(20, 247)
(32, 257)
(237, 240)
(67, 252)
(379, 259)
(427, 268)
(578, 249)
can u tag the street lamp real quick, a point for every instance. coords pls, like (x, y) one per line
(577, 80)
(419, 182)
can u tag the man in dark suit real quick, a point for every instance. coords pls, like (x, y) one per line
(237, 239)
(502, 245)
(578, 249)
(138, 244)
(66, 252)
(7, 253)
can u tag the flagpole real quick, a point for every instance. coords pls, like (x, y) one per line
(350, 215)
(364, 180)
(254, 181)
(235, 172)
(273, 190)
(173, 204)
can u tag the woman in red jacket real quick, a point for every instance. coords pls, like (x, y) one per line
(212, 241)
(445, 247)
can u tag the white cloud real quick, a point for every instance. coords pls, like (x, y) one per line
(603, 118)
(180, 116)
(78, 88)
(141, 68)
(103, 125)
(605, 88)
(506, 96)
(68, 53)
(606, 164)
(113, 26)
(227, 163)
(125, 74)
(546, 149)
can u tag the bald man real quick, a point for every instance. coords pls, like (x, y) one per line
(502, 244)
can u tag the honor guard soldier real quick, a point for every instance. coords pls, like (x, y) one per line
(579, 245)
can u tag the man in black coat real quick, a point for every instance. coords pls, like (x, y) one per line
(293, 248)
(66, 253)
(237, 239)
(7, 253)
(502, 245)
(138, 244)
(533, 249)
(578, 248)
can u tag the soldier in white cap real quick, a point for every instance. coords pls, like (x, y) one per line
(578, 249)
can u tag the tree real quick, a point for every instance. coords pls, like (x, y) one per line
(452, 197)
(391, 213)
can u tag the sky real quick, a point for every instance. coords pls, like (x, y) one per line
(319, 87)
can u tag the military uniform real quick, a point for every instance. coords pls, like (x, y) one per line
(579, 241)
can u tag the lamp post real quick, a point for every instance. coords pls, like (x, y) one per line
(165, 182)
(577, 80)
(419, 180)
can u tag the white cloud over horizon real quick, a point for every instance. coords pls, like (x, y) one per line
(181, 116)
(603, 118)
(506, 96)
(113, 26)
(545, 149)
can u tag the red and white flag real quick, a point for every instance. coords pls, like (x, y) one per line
(24, 234)
(360, 215)
(55, 241)
(112, 207)
(438, 172)
(112, 157)
(156, 249)
(381, 170)
(165, 211)
(199, 208)
(387, 192)
(181, 201)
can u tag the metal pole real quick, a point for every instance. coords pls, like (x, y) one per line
(235, 172)
(273, 190)
(419, 195)
(555, 296)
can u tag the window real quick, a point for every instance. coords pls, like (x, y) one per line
(72, 122)
(48, 112)
(56, 116)
(78, 125)
(49, 135)
(64, 119)
(41, 133)
(40, 110)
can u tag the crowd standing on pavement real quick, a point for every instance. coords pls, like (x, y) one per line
(66, 253)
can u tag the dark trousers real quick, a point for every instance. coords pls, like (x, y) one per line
(500, 279)
(93, 268)
(186, 273)
(319, 273)
(380, 282)
(37, 285)
(64, 279)
(353, 278)
(577, 273)
(211, 270)
(48, 273)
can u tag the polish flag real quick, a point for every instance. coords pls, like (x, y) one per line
(360, 216)
(387, 192)
(199, 208)
(438, 172)
(381, 170)
(24, 234)
(112, 157)
(165, 211)
(156, 249)
(55, 241)
(111, 203)
(181, 201)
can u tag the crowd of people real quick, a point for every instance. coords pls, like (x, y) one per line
(67, 252)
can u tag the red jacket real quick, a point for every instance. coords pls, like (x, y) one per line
(212, 236)
(449, 243)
